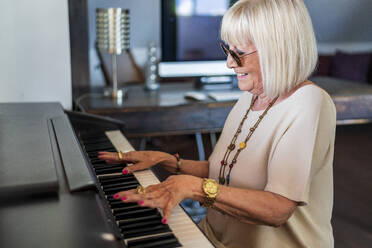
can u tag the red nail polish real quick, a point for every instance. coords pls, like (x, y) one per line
(125, 171)
(116, 196)
(164, 221)
(123, 198)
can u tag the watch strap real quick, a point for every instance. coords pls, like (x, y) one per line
(208, 202)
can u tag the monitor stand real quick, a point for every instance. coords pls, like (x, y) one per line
(216, 82)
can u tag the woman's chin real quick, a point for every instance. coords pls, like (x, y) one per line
(244, 85)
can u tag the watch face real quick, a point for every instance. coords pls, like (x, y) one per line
(211, 187)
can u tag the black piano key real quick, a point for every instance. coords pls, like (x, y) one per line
(110, 186)
(163, 241)
(140, 224)
(119, 204)
(110, 199)
(98, 148)
(134, 214)
(95, 161)
(95, 140)
(119, 189)
(94, 154)
(98, 145)
(148, 230)
(118, 210)
(139, 219)
(106, 166)
(86, 136)
(115, 178)
(106, 187)
(109, 170)
(110, 192)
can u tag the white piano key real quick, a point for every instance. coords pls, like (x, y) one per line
(181, 224)
(119, 141)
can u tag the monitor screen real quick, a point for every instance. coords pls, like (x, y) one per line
(190, 38)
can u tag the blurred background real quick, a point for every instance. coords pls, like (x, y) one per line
(37, 50)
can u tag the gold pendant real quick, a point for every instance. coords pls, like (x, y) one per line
(242, 145)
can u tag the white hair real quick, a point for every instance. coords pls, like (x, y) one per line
(283, 35)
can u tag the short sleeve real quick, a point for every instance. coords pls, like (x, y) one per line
(291, 156)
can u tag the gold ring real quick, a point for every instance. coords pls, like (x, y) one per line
(141, 190)
(120, 154)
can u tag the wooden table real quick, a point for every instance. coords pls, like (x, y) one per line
(167, 112)
(162, 112)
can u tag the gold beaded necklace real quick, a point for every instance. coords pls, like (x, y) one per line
(221, 176)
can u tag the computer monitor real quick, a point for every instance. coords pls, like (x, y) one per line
(190, 38)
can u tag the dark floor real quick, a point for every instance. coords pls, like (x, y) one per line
(352, 214)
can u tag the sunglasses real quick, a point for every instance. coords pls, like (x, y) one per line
(226, 50)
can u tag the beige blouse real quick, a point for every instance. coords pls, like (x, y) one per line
(290, 154)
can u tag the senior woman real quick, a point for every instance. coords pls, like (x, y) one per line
(270, 174)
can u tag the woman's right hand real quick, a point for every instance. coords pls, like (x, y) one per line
(140, 160)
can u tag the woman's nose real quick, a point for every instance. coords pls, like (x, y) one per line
(230, 62)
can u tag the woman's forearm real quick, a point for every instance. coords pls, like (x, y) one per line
(195, 168)
(238, 214)
(188, 167)
(255, 206)
(251, 206)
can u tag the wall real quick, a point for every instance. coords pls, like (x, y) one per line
(341, 20)
(341, 24)
(35, 52)
(338, 24)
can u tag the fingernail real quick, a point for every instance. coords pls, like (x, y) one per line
(116, 196)
(164, 221)
(140, 202)
(125, 171)
(123, 198)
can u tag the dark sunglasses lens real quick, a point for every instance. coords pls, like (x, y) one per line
(236, 58)
(224, 49)
(227, 51)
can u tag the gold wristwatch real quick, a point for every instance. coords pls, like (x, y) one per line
(211, 189)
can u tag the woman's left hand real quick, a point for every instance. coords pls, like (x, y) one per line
(165, 195)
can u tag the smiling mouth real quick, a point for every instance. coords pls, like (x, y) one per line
(241, 74)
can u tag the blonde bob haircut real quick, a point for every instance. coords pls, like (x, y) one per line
(283, 35)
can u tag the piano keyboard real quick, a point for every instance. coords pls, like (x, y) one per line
(138, 226)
